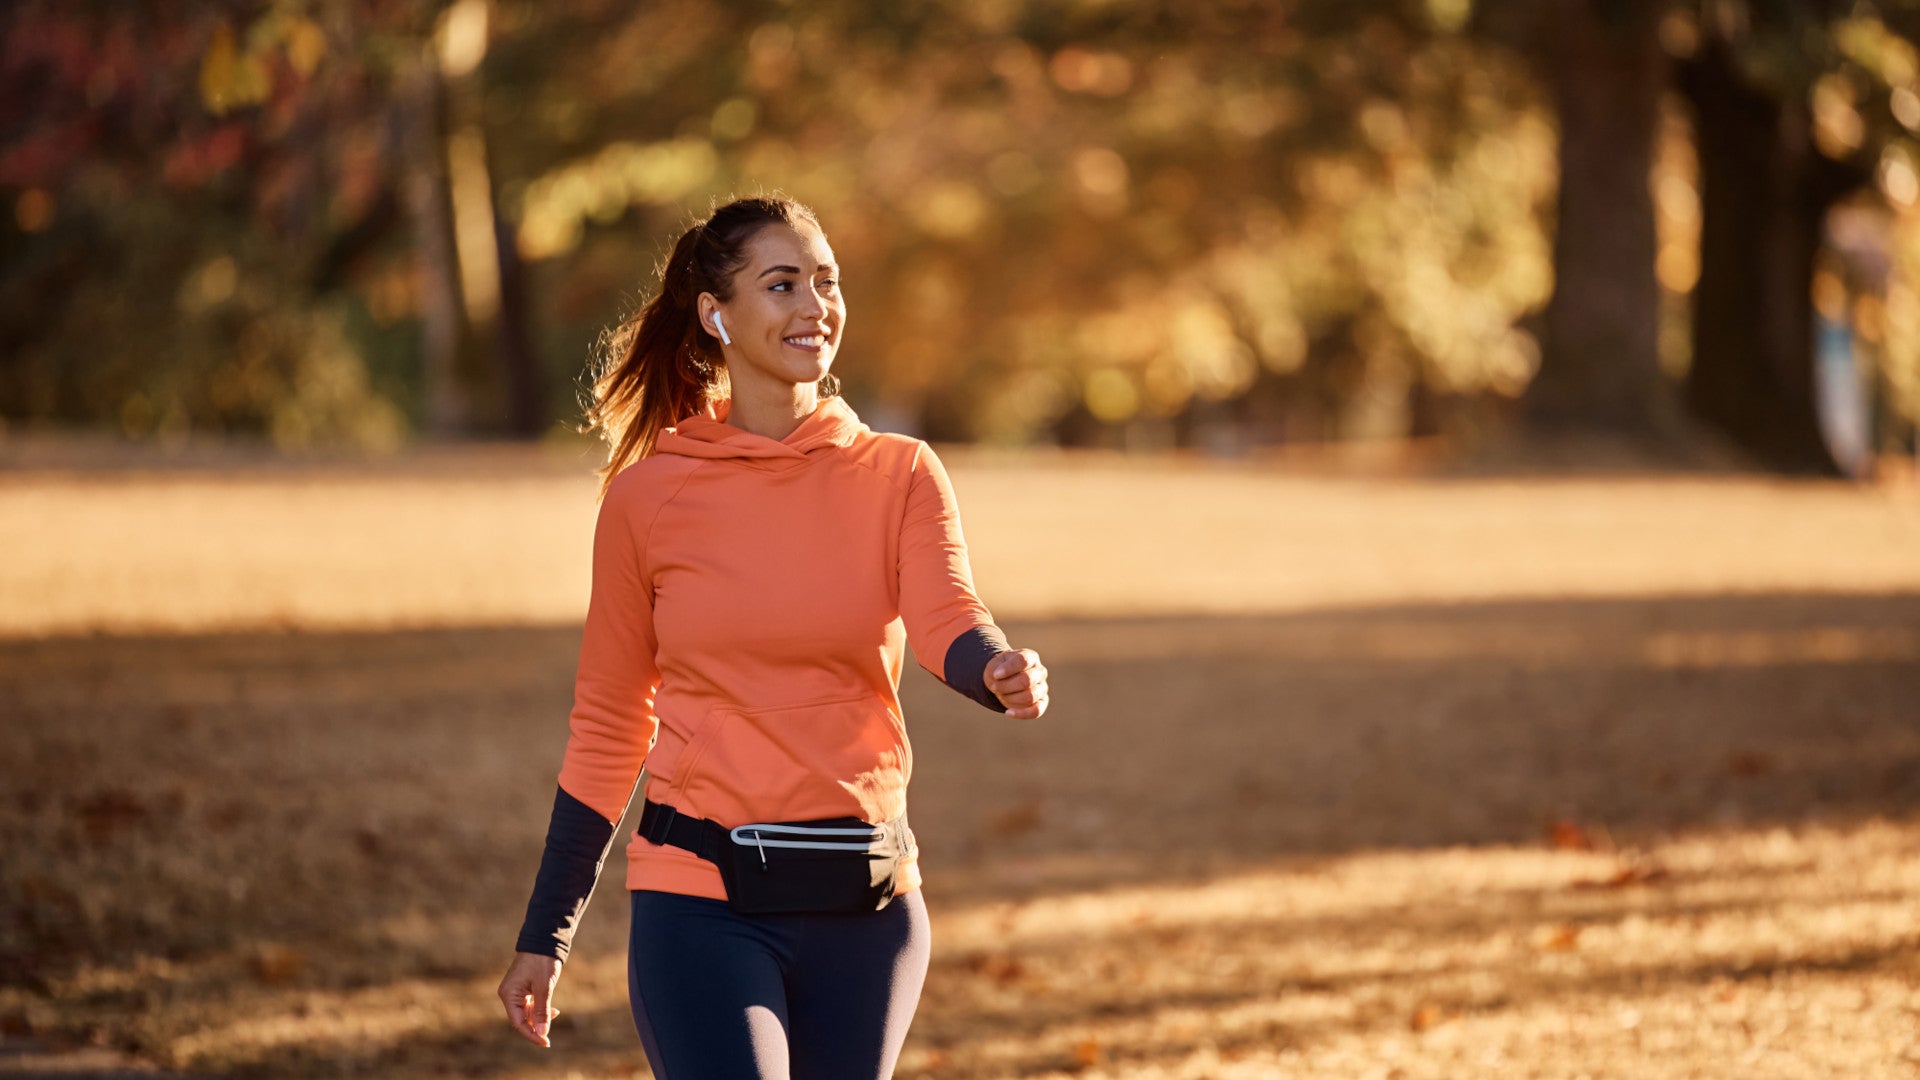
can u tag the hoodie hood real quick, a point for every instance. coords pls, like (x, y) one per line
(708, 435)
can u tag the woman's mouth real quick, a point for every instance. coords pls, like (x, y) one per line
(808, 342)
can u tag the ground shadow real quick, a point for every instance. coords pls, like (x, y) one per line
(246, 819)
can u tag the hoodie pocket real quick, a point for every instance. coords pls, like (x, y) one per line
(823, 759)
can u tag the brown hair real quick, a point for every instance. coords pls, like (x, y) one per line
(660, 364)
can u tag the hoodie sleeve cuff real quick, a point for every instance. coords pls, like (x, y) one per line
(966, 664)
(578, 840)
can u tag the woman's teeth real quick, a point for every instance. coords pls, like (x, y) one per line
(811, 341)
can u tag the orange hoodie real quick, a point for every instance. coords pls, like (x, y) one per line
(751, 603)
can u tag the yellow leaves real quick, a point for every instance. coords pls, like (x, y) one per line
(1100, 175)
(1218, 363)
(601, 187)
(1449, 16)
(733, 119)
(1086, 71)
(1896, 174)
(229, 78)
(462, 37)
(1111, 395)
(1869, 43)
(235, 74)
(1838, 129)
(951, 210)
(306, 45)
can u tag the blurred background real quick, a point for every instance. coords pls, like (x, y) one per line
(1217, 225)
(1454, 456)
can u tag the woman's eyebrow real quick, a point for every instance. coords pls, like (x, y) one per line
(784, 269)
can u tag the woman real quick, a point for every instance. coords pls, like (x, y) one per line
(760, 561)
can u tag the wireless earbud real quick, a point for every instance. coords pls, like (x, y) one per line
(722, 327)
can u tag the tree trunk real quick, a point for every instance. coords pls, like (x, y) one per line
(443, 317)
(520, 363)
(1764, 195)
(1600, 362)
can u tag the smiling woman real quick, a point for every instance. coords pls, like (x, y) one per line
(761, 562)
(734, 289)
(784, 326)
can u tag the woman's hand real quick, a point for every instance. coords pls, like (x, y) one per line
(527, 992)
(1019, 680)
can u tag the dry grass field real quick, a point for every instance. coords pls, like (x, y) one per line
(1347, 775)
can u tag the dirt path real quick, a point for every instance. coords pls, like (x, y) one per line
(1613, 777)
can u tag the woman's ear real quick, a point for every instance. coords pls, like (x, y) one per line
(710, 318)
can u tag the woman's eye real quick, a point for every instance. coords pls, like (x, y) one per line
(779, 286)
(830, 284)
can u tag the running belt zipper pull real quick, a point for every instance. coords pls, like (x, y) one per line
(763, 850)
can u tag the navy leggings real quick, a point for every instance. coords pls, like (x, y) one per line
(775, 997)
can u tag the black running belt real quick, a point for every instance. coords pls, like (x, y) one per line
(663, 824)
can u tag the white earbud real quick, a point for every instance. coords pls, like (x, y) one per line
(722, 327)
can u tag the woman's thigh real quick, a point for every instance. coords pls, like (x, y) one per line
(707, 991)
(853, 988)
(720, 994)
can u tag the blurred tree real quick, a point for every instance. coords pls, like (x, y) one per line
(1600, 363)
(1606, 73)
(1780, 142)
(207, 224)
(1147, 223)
(1795, 103)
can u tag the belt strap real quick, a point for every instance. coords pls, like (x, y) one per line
(663, 824)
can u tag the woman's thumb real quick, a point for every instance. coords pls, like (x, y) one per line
(540, 1015)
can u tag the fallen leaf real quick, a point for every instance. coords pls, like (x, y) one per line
(1014, 820)
(1562, 938)
(1086, 1053)
(109, 811)
(1569, 836)
(1004, 970)
(1427, 1016)
(1630, 874)
(276, 965)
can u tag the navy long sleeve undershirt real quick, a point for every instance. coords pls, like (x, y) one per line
(579, 839)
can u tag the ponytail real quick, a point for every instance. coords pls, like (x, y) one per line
(659, 364)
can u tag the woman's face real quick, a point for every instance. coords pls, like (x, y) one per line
(786, 313)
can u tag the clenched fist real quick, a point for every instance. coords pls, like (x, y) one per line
(1019, 680)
